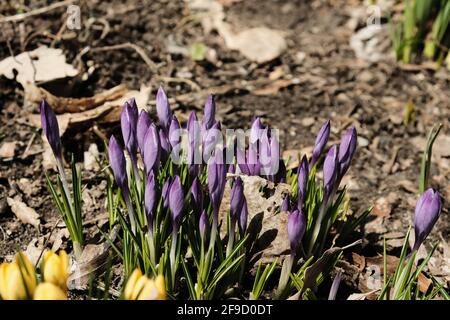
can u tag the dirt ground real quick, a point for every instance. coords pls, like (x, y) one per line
(332, 84)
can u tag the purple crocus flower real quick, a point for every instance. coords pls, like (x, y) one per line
(335, 286)
(242, 161)
(128, 123)
(193, 154)
(296, 227)
(204, 227)
(256, 131)
(165, 191)
(211, 139)
(150, 198)
(428, 209)
(50, 127)
(141, 129)
(175, 138)
(321, 142)
(242, 223)
(163, 109)
(237, 200)
(209, 113)
(197, 194)
(330, 170)
(269, 154)
(166, 148)
(347, 150)
(176, 199)
(302, 181)
(118, 164)
(151, 149)
(216, 181)
(285, 207)
(174, 132)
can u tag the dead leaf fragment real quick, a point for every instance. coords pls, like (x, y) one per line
(23, 212)
(40, 65)
(256, 44)
(263, 215)
(7, 150)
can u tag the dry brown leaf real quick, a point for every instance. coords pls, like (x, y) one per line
(24, 212)
(259, 44)
(262, 214)
(109, 111)
(35, 94)
(40, 65)
(256, 44)
(93, 259)
(34, 250)
(7, 150)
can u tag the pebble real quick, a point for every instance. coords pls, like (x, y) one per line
(363, 142)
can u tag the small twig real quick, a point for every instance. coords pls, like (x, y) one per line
(29, 144)
(60, 32)
(191, 83)
(22, 16)
(129, 45)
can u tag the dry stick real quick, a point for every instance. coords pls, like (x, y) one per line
(129, 45)
(153, 67)
(22, 16)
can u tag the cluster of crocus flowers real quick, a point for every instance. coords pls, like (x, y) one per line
(140, 287)
(18, 279)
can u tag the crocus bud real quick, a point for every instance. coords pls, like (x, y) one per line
(55, 268)
(150, 198)
(174, 132)
(49, 291)
(216, 181)
(197, 194)
(256, 131)
(128, 123)
(209, 113)
(335, 286)
(302, 181)
(17, 279)
(165, 191)
(118, 164)
(142, 126)
(163, 109)
(194, 157)
(176, 199)
(151, 149)
(242, 161)
(242, 223)
(212, 138)
(330, 170)
(237, 199)
(204, 226)
(321, 142)
(175, 138)
(296, 227)
(428, 209)
(347, 150)
(50, 127)
(285, 207)
(165, 144)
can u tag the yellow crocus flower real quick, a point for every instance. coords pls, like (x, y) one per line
(140, 287)
(17, 279)
(55, 268)
(49, 291)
